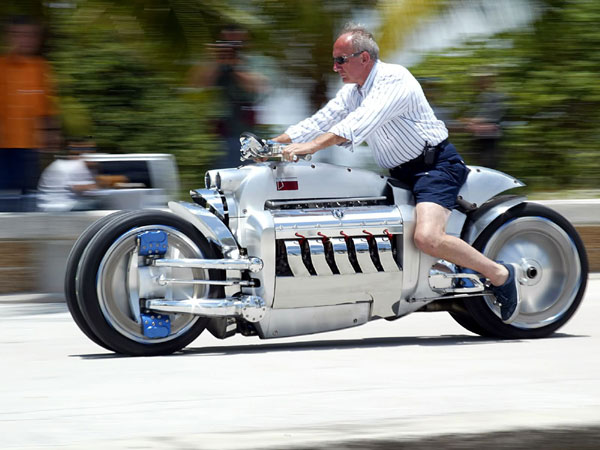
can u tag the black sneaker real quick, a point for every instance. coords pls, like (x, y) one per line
(507, 295)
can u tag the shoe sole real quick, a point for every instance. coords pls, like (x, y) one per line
(518, 276)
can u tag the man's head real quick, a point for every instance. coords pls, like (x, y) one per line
(232, 39)
(24, 36)
(354, 54)
(76, 146)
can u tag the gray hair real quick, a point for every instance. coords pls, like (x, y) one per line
(362, 39)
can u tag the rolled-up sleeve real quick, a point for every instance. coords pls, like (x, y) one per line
(333, 112)
(386, 100)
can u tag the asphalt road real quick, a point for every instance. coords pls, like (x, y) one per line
(419, 382)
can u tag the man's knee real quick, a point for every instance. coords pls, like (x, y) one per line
(430, 228)
(427, 241)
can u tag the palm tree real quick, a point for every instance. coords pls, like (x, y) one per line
(400, 18)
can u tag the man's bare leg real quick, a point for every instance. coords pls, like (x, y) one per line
(431, 238)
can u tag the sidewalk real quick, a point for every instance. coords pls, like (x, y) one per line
(32, 297)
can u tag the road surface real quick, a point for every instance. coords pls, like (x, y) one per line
(382, 385)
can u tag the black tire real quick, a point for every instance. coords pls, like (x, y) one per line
(468, 323)
(103, 268)
(71, 272)
(548, 247)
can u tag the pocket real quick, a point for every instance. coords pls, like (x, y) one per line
(461, 171)
(456, 171)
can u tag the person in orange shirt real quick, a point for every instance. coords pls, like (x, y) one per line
(27, 113)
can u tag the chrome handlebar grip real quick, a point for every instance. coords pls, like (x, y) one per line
(304, 157)
(252, 148)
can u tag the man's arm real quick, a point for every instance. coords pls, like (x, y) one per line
(321, 121)
(308, 148)
(283, 139)
(388, 98)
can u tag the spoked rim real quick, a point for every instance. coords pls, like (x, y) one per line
(117, 288)
(550, 263)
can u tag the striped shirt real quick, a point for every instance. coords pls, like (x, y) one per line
(389, 112)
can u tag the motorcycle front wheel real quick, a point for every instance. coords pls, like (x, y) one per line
(107, 287)
(555, 267)
(71, 272)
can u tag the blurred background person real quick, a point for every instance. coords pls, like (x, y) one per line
(238, 86)
(433, 89)
(28, 120)
(69, 183)
(485, 122)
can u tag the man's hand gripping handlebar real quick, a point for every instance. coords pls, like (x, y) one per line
(255, 149)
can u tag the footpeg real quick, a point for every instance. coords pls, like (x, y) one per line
(451, 283)
(444, 279)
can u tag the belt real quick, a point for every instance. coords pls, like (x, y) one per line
(443, 144)
(419, 161)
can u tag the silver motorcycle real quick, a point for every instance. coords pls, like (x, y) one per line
(277, 249)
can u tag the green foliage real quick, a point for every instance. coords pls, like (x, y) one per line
(550, 76)
(112, 88)
(398, 20)
(299, 35)
(120, 68)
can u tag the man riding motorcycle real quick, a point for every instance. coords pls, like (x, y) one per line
(384, 105)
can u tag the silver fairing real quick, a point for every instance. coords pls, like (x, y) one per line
(252, 185)
(482, 184)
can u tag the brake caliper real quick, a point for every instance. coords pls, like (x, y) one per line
(156, 325)
(154, 244)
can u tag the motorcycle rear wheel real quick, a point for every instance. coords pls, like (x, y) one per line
(468, 323)
(554, 261)
(105, 289)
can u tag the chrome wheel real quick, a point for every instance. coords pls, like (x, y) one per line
(112, 279)
(550, 264)
(119, 278)
(554, 271)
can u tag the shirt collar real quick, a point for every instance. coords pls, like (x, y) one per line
(365, 88)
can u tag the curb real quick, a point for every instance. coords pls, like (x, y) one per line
(32, 297)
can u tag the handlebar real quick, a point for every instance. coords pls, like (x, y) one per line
(253, 148)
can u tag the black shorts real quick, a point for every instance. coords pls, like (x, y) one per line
(437, 183)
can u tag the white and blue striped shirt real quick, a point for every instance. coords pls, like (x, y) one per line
(389, 112)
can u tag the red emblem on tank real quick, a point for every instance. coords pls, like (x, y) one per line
(287, 184)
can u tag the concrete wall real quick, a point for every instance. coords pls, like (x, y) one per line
(585, 216)
(34, 246)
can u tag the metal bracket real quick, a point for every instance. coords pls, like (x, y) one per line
(446, 283)
(252, 264)
(250, 307)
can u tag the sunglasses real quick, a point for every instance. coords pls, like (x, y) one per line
(344, 59)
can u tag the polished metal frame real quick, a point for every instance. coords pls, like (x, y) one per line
(345, 206)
